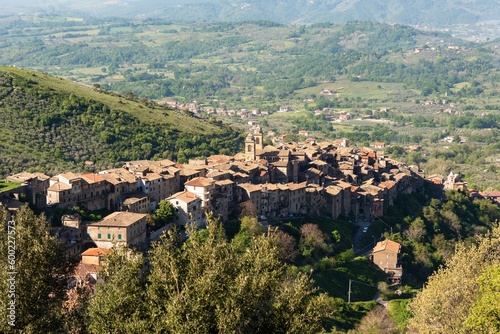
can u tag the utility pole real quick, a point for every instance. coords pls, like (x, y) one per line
(349, 292)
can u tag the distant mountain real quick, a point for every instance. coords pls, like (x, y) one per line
(422, 12)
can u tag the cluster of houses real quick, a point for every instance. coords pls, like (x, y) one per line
(196, 109)
(311, 178)
(327, 178)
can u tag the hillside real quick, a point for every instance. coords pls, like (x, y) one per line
(400, 85)
(423, 12)
(50, 124)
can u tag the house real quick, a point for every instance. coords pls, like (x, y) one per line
(344, 116)
(36, 186)
(379, 145)
(83, 190)
(304, 133)
(188, 208)
(385, 255)
(493, 196)
(70, 234)
(223, 203)
(201, 187)
(128, 228)
(137, 202)
(86, 272)
(94, 256)
(119, 183)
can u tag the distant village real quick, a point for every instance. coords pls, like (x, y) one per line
(290, 179)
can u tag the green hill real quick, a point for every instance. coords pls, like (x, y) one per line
(51, 125)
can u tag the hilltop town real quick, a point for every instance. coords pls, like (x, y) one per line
(311, 178)
(287, 179)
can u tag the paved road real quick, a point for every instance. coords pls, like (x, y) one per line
(359, 236)
(379, 301)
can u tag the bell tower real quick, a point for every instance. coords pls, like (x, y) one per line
(258, 138)
(250, 147)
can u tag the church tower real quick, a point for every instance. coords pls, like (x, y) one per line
(258, 138)
(250, 147)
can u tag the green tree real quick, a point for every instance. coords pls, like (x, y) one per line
(250, 228)
(484, 316)
(42, 273)
(455, 293)
(206, 285)
(164, 214)
(119, 304)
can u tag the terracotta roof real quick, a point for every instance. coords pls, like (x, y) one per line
(199, 182)
(284, 153)
(152, 176)
(313, 188)
(297, 186)
(117, 176)
(387, 245)
(91, 178)
(135, 197)
(96, 252)
(25, 176)
(223, 182)
(314, 171)
(251, 187)
(342, 184)
(491, 193)
(83, 269)
(282, 186)
(318, 163)
(387, 184)
(59, 187)
(119, 219)
(70, 176)
(189, 172)
(333, 190)
(185, 196)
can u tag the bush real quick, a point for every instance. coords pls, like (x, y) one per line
(345, 258)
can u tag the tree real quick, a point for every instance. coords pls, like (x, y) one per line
(286, 244)
(311, 240)
(41, 275)
(377, 320)
(206, 285)
(119, 304)
(250, 228)
(164, 214)
(453, 294)
(484, 316)
(247, 209)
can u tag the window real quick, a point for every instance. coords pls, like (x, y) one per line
(99, 236)
(109, 236)
(119, 237)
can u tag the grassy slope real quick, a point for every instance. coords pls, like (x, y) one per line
(53, 125)
(335, 281)
(4, 186)
(136, 109)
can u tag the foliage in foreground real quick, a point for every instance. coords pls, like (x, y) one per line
(205, 285)
(38, 287)
(460, 297)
